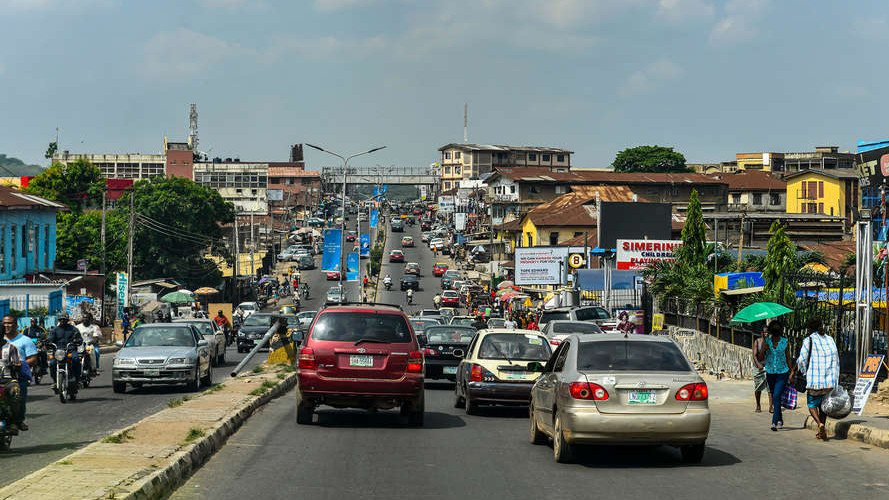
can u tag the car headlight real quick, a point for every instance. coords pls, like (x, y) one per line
(179, 361)
(124, 361)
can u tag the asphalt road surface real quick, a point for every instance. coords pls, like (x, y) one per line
(58, 429)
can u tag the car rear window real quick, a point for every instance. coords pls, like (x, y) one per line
(621, 355)
(449, 334)
(351, 327)
(576, 328)
(202, 327)
(514, 347)
(463, 321)
(258, 320)
(546, 317)
(588, 313)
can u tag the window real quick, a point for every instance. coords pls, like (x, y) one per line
(821, 189)
(533, 189)
(630, 356)
(447, 170)
(532, 156)
(508, 346)
(560, 360)
(46, 247)
(577, 233)
(803, 193)
(774, 199)
(575, 327)
(457, 155)
(27, 235)
(530, 239)
(447, 156)
(736, 198)
(554, 238)
(813, 190)
(757, 198)
(821, 208)
(561, 189)
(546, 158)
(560, 158)
(512, 189)
(351, 327)
(12, 243)
(3, 248)
(457, 170)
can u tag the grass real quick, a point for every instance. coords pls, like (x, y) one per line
(173, 403)
(64, 462)
(264, 388)
(215, 388)
(118, 438)
(194, 433)
(286, 368)
(282, 376)
(258, 369)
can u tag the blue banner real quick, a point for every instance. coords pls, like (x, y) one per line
(330, 260)
(374, 214)
(352, 264)
(376, 191)
(365, 244)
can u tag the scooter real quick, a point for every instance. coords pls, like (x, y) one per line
(305, 293)
(66, 381)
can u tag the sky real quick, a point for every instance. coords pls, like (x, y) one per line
(710, 78)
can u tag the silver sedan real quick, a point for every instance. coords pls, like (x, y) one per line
(162, 353)
(619, 389)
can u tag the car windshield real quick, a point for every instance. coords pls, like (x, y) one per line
(514, 347)
(629, 355)
(496, 323)
(202, 327)
(449, 334)
(258, 320)
(409, 277)
(546, 317)
(161, 337)
(451, 274)
(576, 328)
(352, 327)
(450, 294)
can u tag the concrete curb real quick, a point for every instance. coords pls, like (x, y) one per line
(851, 428)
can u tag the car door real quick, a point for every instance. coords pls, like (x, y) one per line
(203, 352)
(547, 385)
(465, 365)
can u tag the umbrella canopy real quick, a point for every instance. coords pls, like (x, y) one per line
(508, 295)
(760, 311)
(206, 291)
(506, 283)
(177, 298)
(186, 292)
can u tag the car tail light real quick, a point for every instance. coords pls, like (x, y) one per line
(585, 390)
(306, 358)
(430, 352)
(415, 362)
(692, 392)
(476, 374)
(555, 342)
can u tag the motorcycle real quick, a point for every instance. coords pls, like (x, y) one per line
(87, 360)
(8, 390)
(410, 298)
(305, 293)
(388, 285)
(42, 367)
(66, 381)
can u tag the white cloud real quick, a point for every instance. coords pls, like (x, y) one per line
(651, 77)
(213, 4)
(677, 11)
(739, 24)
(185, 53)
(337, 5)
(324, 48)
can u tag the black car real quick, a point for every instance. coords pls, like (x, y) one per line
(410, 281)
(397, 226)
(252, 330)
(443, 348)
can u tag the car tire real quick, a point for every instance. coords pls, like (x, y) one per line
(562, 450)
(459, 401)
(536, 437)
(119, 387)
(222, 358)
(207, 381)
(417, 411)
(693, 454)
(471, 406)
(304, 411)
(194, 384)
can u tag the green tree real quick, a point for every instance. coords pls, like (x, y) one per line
(779, 262)
(51, 150)
(650, 159)
(78, 236)
(76, 184)
(694, 249)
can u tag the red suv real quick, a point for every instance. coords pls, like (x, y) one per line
(361, 357)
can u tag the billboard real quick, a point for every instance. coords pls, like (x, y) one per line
(352, 264)
(330, 257)
(635, 255)
(446, 203)
(423, 192)
(459, 221)
(123, 289)
(629, 220)
(365, 244)
(374, 216)
(539, 265)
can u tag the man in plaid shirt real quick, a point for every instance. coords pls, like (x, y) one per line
(819, 361)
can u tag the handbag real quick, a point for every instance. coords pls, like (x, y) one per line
(789, 398)
(798, 380)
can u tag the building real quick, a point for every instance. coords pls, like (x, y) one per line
(299, 187)
(460, 161)
(827, 192)
(27, 234)
(754, 191)
(824, 157)
(135, 166)
(568, 216)
(244, 184)
(179, 160)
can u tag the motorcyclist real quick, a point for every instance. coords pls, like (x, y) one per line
(61, 336)
(91, 334)
(10, 367)
(410, 295)
(27, 353)
(35, 331)
(387, 281)
(306, 290)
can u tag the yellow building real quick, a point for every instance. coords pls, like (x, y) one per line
(828, 192)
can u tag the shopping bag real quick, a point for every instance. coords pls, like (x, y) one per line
(789, 397)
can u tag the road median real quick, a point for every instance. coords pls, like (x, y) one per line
(150, 458)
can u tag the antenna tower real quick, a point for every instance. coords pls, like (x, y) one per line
(465, 122)
(193, 127)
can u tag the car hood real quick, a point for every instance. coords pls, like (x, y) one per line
(156, 352)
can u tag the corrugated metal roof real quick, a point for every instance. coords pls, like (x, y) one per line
(11, 198)
(577, 208)
(753, 180)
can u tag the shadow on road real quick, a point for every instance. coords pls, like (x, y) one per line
(43, 448)
(385, 419)
(440, 385)
(503, 411)
(622, 457)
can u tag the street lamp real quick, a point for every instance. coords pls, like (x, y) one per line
(343, 225)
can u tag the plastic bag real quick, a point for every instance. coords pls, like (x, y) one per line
(837, 404)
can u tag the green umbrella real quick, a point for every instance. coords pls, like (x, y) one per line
(760, 311)
(177, 298)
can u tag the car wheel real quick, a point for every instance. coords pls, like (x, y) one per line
(222, 358)
(536, 437)
(417, 411)
(562, 450)
(304, 411)
(693, 454)
(207, 381)
(459, 402)
(471, 406)
(195, 383)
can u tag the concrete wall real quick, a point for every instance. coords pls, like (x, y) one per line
(713, 353)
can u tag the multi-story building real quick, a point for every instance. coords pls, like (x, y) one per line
(824, 157)
(470, 161)
(135, 166)
(244, 184)
(754, 191)
(179, 160)
(827, 192)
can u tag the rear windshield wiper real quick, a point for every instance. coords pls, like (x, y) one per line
(374, 341)
(497, 347)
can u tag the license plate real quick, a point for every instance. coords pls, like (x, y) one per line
(642, 398)
(515, 376)
(449, 370)
(361, 361)
(152, 373)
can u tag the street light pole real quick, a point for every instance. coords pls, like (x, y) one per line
(343, 225)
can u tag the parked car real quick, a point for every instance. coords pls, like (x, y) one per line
(396, 256)
(333, 275)
(557, 330)
(253, 329)
(447, 279)
(595, 314)
(361, 357)
(616, 389)
(407, 241)
(335, 295)
(214, 336)
(162, 353)
(444, 345)
(439, 268)
(412, 268)
(410, 281)
(450, 298)
(495, 368)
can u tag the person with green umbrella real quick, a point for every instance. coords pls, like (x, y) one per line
(776, 358)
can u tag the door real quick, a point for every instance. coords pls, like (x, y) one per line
(548, 385)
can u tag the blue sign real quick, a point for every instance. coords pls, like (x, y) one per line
(376, 191)
(385, 188)
(352, 264)
(374, 214)
(330, 259)
(365, 244)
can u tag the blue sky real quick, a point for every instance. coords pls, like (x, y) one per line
(711, 78)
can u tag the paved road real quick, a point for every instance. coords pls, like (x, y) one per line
(56, 429)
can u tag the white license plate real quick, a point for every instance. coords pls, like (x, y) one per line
(449, 370)
(642, 398)
(515, 376)
(152, 373)
(362, 361)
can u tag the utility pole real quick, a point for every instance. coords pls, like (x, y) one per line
(236, 269)
(252, 248)
(104, 196)
(741, 236)
(130, 244)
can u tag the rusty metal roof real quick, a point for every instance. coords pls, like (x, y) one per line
(754, 180)
(577, 208)
(575, 176)
(10, 198)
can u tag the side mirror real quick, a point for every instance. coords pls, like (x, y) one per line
(203, 343)
(119, 343)
(535, 366)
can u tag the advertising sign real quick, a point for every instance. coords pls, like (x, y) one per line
(460, 221)
(365, 244)
(276, 194)
(576, 260)
(539, 265)
(374, 216)
(423, 193)
(865, 383)
(123, 289)
(330, 257)
(352, 264)
(635, 255)
(630, 321)
(446, 204)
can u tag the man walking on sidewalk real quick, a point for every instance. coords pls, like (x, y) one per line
(819, 361)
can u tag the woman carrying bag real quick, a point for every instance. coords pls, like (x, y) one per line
(776, 358)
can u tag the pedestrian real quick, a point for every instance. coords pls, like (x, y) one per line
(532, 322)
(27, 352)
(776, 360)
(819, 361)
(759, 373)
(125, 322)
